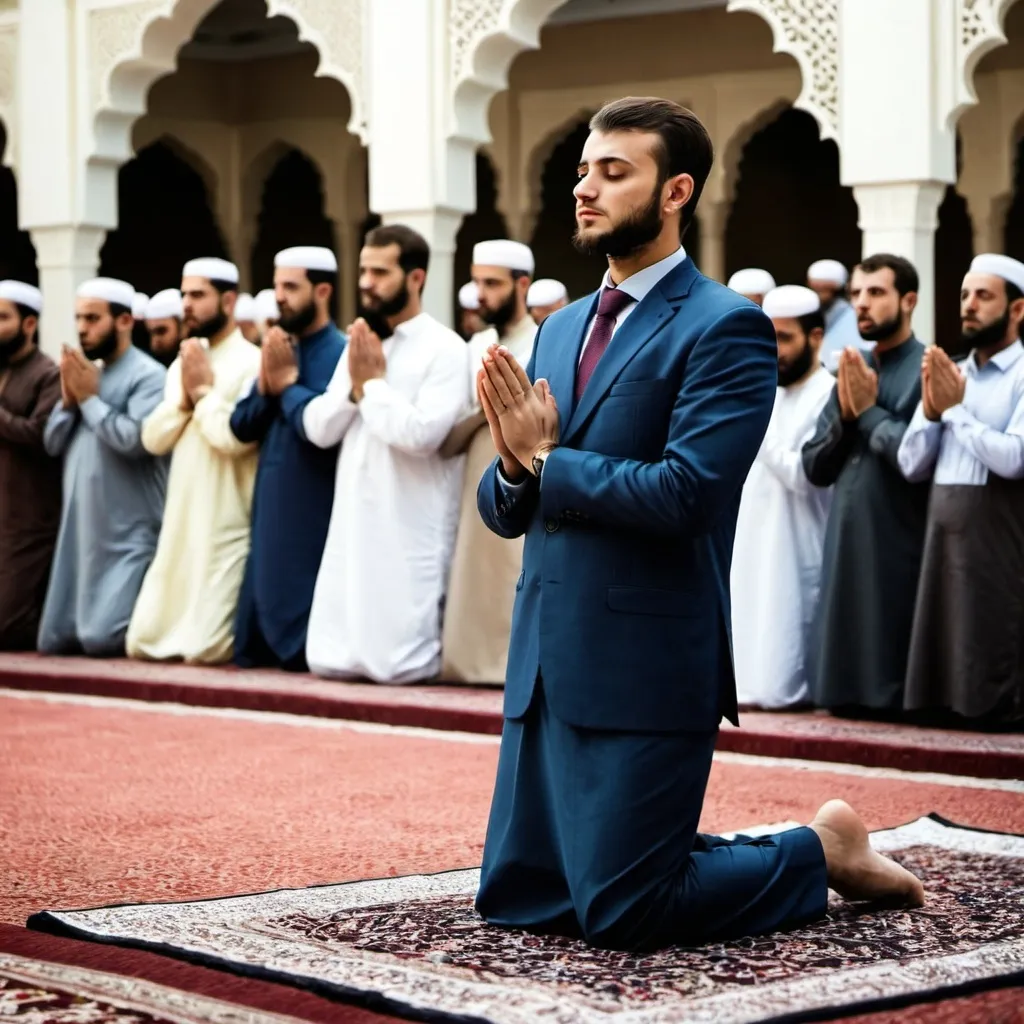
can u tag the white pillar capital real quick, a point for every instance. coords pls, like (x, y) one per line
(901, 218)
(66, 255)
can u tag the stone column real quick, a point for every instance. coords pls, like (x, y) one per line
(902, 219)
(713, 216)
(66, 255)
(897, 142)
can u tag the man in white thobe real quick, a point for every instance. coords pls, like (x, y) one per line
(377, 603)
(780, 532)
(752, 283)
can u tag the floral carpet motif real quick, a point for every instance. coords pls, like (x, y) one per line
(39, 992)
(414, 944)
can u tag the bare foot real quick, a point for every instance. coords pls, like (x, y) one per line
(856, 871)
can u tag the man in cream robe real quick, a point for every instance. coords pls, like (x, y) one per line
(780, 532)
(377, 602)
(186, 608)
(478, 613)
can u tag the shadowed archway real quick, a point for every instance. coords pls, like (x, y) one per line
(484, 223)
(17, 254)
(954, 249)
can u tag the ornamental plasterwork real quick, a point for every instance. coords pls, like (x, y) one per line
(808, 30)
(8, 55)
(979, 29)
(336, 28)
(115, 33)
(469, 21)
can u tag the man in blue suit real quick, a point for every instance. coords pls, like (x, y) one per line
(623, 465)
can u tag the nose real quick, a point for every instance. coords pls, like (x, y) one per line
(584, 190)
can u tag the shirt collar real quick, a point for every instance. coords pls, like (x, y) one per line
(1002, 361)
(639, 284)
(410, 326)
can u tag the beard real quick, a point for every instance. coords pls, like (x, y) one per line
(210, 328)
(9, 347)
(797, 369)
(883, 331)
(988, 336)
(376, 311)
(298, 322)
(103, 349)
(501, 317)
(639, 229)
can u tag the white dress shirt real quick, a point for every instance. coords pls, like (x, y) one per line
(637, 287)
(984, 434)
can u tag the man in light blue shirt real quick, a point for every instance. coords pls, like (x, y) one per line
(967, 435)
(828, 279)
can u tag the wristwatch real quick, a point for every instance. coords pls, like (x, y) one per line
(538, 461)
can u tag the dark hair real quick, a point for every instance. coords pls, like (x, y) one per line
(116, 309)
(812, 322)
(685, 147)
(413, 251)
(323, 277)
(1013, 293)
(903, 271)
(223, 286)
(24, 311)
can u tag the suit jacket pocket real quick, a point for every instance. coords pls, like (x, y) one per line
(636, 387)
(650, 601)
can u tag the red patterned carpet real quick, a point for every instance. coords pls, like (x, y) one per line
(816, 736)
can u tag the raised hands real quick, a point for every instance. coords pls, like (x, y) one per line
(196, 372)
(79, 378)
(942, 384)
(857, 385)
(366, 360)
(279, 368)
(523, 417)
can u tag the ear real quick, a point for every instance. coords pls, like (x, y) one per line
(909, 302)
(125, 322)
(418, 278)
(816, 337)
(30, 324)
(1016, 311)
(323, 292)
(227, 302)
(678, 191)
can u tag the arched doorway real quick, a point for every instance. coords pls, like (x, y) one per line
(954, 249)
(164, 218)
(552, 237)
(790, 208)
(291, 213)
(485, 222)
(17, 254)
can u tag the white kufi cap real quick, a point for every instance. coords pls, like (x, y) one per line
(110, 289)
(503, 252)
(165, 304)
(752, 281)
(139, 303)
(469, 296)
(266, 305)
(790, 300)
(1005, 267)
(245, 308)
(212, 268)
(24, 294)
(831, 271)
(545, 292)
(308, 257)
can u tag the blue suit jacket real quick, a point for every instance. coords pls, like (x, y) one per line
(623, 602)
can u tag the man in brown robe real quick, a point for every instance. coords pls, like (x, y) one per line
(29, 478)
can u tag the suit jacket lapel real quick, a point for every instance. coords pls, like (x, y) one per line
(642, 324)
(562, 376)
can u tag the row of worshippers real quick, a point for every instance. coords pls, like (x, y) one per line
(292, 505)
(159, 320)
(878, 567)
(543, 297)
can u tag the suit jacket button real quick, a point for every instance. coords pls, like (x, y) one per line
(502, 509)
(551, 525)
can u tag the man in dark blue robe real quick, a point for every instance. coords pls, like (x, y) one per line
(295, 481)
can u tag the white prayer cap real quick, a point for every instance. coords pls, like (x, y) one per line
(212, 268)
(266, 305)
(165, 304)
(469, 296)
(245, 308)
(545, 292)
(1005, 267)
(830, 271)
(139, 303)
(503, 252)
(752, 281)
(790, 300)
(24, 294)
(308, 257)
(110, 289)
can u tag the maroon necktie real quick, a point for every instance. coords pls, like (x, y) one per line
(609, 306)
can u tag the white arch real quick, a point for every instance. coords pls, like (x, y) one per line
(979, 31)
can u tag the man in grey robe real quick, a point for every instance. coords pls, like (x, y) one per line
(875, 533)
(113, 489)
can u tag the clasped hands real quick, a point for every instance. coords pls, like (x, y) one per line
(857, 385)
(79, 378)
(196, 373)
(942, 384)
(523, 417)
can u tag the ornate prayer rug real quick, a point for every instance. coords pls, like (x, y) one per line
(415, 946)
(41, 992)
